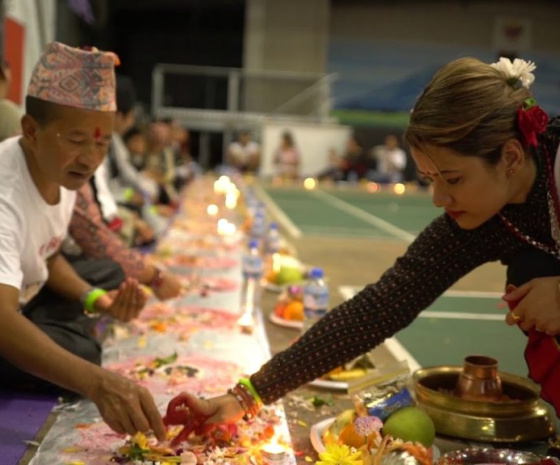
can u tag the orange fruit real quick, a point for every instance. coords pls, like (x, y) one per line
(349, 437)
(279, 309)
(294, 311)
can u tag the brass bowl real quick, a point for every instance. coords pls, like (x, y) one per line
(521, 417)
(474, 456)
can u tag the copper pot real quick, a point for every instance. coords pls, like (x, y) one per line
(479, 379)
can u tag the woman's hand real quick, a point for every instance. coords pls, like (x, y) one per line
(201, 415)
(538, 305)
(125, 303)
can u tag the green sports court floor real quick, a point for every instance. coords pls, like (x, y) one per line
(355, 235)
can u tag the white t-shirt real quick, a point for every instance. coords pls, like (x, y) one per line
(244, 153)
(31, 230)
(390, 161)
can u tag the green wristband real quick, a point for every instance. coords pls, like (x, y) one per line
(247, 383)
(90, 300)
(128, 193)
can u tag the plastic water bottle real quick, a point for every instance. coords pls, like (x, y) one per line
(258, 228)
(315, 299)
(271, 248)
(252, 273)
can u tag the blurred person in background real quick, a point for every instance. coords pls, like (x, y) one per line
(334, 170)
(137, 144)
(244, 154)
(354, 162)
(390, 161)
(287, 158)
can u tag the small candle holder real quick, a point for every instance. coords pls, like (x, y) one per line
(246, 322)
(273, 454)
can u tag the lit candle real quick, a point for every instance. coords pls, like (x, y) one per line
(212, 209)
(231, 200)
(273, 453)
(246, 322)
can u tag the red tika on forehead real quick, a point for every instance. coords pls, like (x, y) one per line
(97, 134)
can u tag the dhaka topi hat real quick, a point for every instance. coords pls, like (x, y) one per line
(75, 77)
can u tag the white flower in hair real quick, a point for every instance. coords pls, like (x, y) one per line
(518, 72)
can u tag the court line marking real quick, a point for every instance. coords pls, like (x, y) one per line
(365, 216)
(392, 344)
(278, 213)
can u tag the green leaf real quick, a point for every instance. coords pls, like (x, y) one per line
(136, 452)
(319, 401)
(165, 360)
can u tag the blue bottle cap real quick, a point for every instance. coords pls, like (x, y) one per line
(273, 225)
(253, 244)
(316, 273)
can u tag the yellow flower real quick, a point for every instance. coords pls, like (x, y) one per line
(339, 455)
(140, 439)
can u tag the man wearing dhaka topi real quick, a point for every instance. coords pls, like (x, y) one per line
(48, 339)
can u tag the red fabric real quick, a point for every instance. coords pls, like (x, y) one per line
(542, 354)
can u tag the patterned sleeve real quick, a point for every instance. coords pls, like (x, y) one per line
(96, 240)
(441, 255)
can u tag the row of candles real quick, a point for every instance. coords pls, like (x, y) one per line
(272, 453)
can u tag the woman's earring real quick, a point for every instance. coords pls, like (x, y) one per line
(510, 171)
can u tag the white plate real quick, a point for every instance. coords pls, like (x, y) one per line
(316, 437)
(330, 384)
(283, 322)
(316, 434)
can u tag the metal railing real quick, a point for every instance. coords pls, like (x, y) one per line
(214, 99)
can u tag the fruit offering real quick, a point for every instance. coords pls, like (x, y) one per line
(285, 270)
(408, 430)
(290, 304)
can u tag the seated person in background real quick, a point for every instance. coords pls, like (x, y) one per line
(126, 183)
(354, 162)
(126, 222)
(48, 341)
(244, 154)
(334, 171)
(287, 158)
(186, 168)
(130, 188)
(137, 145)
(94, 238)
(160, 162)
(390, 161)
(10, 114)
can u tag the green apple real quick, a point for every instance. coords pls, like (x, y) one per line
(411, 424)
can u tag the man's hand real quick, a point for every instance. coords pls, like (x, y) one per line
(125, 406)
(169, 288)
(125, 303)
(538, 305)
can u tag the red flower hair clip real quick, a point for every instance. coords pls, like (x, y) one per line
(531, 120)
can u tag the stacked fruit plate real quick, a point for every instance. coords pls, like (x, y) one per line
(405, 437)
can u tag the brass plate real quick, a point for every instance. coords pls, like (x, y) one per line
(525, 418)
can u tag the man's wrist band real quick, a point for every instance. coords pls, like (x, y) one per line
(89, 298)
